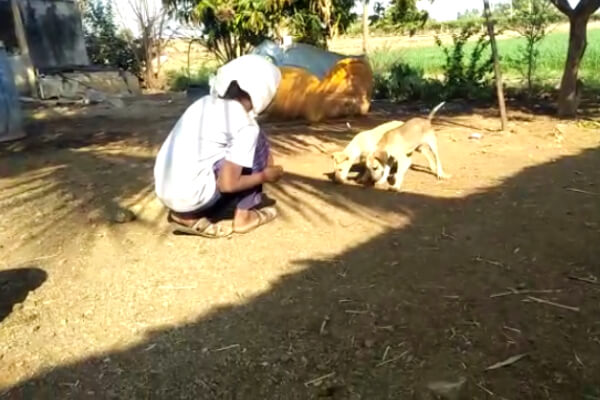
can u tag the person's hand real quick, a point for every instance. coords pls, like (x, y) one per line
(273, 173)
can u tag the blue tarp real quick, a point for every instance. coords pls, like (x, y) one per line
(10, 108)
(317, 61)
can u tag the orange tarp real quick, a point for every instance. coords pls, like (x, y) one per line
(344, 91)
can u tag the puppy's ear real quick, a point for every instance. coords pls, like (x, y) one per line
(380, 156)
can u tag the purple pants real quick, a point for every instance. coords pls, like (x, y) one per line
(246, 199)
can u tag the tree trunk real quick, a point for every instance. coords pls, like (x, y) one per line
(365, 21)
(568, 96)
(497, 70)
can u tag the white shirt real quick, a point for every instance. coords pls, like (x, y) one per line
(210, 129)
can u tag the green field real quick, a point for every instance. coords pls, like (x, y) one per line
(553, 52)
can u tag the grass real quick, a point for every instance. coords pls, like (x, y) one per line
(553, 53)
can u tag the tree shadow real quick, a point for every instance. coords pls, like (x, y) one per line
(15, 285)
(424, 300)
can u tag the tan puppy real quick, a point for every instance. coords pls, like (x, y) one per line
(362, 144)
(397, 145)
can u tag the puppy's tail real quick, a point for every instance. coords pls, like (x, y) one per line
(435, 110)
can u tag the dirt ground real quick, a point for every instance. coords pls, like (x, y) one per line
(353, 293)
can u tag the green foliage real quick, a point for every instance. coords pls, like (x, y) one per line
(104, 43)
(532, 19)
(405, 13)
(550, 65)
(466, 67)
(232, 27)
(401, 82)
(181, 80)
(378, 13)
(401, 15)
(466, 74)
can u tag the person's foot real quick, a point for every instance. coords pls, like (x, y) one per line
(200, 226)
(246, 221)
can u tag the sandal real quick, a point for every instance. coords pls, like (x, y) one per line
(263, 216)
(203, 227)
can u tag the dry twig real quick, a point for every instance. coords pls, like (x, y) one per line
(233, 346)
(507, 362)
(582, 191)
(393, 359)
(385, 353)
(323, 325)
(491, 262)
(488, 391)
(318, 380)
(590, 279)
(512, 291)
(551, 303)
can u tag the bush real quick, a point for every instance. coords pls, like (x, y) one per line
(467, 69)
(467, 75)
(397, 81)
(532, 22)
(179, 80)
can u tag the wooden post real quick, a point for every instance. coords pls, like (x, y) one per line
(497, 70)
(22, 39)
(365, 21)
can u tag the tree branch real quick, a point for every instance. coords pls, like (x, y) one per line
(587, 7)
(564, 6)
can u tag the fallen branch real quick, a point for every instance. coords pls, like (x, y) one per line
(385, 353)
(319, 379)
(233, 346)
(512, 291)
(512, 329)
(323, 325)
(393, 359)
(551, 303)
(582, 191)
(488, 391)
(591, 279)
(491, 262)
(507, 362)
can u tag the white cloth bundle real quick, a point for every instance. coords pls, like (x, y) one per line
(254, 74)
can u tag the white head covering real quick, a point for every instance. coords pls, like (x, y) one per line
(254, 74)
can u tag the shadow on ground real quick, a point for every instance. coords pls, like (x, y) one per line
(15, 285)
(410, 306)
(88, 163)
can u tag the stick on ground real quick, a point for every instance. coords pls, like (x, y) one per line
(507, 362)
(582, 191)
(551, 303)
(233, 346)
(512, 291)
(319, 379)
(393, 359)
(590, 279)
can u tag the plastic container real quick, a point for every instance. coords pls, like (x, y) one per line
(11, 127)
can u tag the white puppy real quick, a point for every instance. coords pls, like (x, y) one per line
(362, 144)
(396, 147)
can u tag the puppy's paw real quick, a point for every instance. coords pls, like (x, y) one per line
(381, 186)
